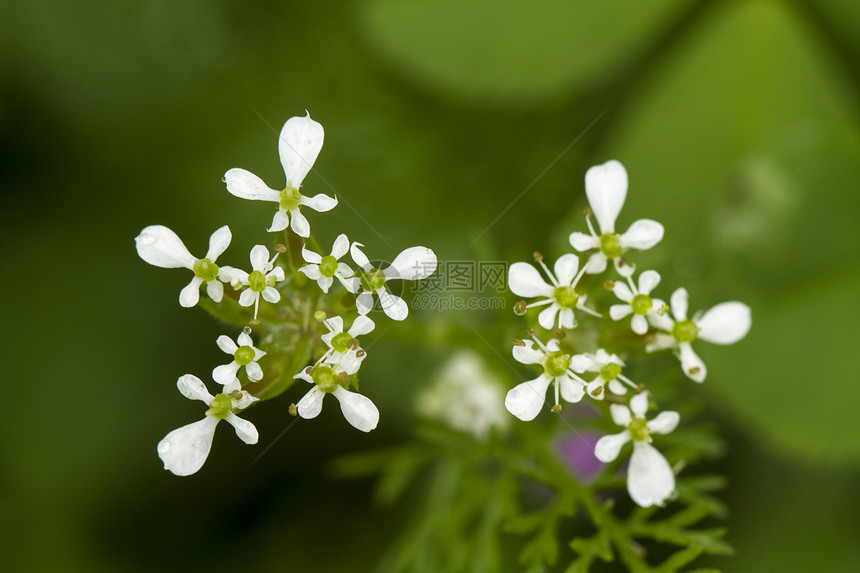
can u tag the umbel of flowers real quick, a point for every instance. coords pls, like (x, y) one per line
(291, 306)
(578, 373)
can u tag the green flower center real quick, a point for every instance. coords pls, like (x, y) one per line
(557, 363)
(639, 430)
(641, 304)
(243, 355)
(610, 371)
(220, 407)
(205, 269)
(257, 281)
(685, 331)
(610, 244)
(565, 296)
(373, 279)
(290, 198)
(325, 379)
(328, 265)
(340, 342)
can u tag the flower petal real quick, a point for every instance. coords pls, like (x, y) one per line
(392, 305)
(679, 304)
(528, 354)
(193, 388)
(622, 291)
(320, 202)
(299, 223)
(325, 283)
(357, 409)
(310, 405)
(642, 234)
(271, 294)
(526, 400)
(360, 326)
(299, 144)
(364, 302)
(566, 318)
(565, 268)
(617, 387)
(226, 344)
(225, 374)
(185, 449)
(340, 246)
(608, 447)
(215, 290)
(311, 271)
(639, 404)
(619, 311)
(350, 284)
(725, 323)
(412, 264)
(639, 324)
(664, 422)
(583, 363)
(692, 365)
(280, 221)
(246, 185)
(359, 257)
(650, 480)
(606, 189)
(260, 258)
(546, 318)
(582, 242)
(648, 281)
(161, 247)
(247, 297)
(596, 263)
(525, 280)
(572, 390)
(218, 242)
(189, 295)
(620, 414)
(335, 323)
(245, 399)
(310, 256)
(254, 372)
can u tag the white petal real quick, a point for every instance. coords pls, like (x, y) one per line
(320, 203)
(661, 342)
(639, 404)
(310, 405)
(392, 305)
(357, 409)
(280, 221)
(582, 242)
(679, 303)
(232, 275)
(184, 450)
(189, 295)
(595, 388)
(526, 400)
(565, 268)
(245, 400)
(606, 189)
(340, 246)
(622, 291)
(546, 318)
(218, 243)
(364, 302)
(525, 280)
(310, 256)
(335, 323)
(215, 290)
(608, 447)
(596, 263)
(582, 363)
(325, 283)
(299, 144)
(725, 323)
(359, 257)
(159, 246)
(566, 318)
(344, 270)
(412, 264)
(625, 268)
(620, 414)
(246, 185)
(660, 321)
(244, 429)
(650, 480)
(639, 324)
(528, 354)
(299, 223)
(303, 375)
(617, 387)
(648, 281)
(226, 344)
(311, 271)
(247, 297)
(225, 374)
(692, 365)
(664, 423)
(271, 294)
(360, 326)
(193, 388)
(572, 390)
(642, 234)
(260, 258)
(619, 311)
(277, 273)
(350, 284)
(254, 372)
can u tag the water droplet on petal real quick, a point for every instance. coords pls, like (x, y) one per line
(247, 330)
(163, 447)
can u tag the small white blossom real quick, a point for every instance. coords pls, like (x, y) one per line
(331, 376)
(606, 189)
(161, 247)
(260, 281)
(324, 269)
(185, 449)
(561, 295)
(526, 400)
(340, 342)
(608, 368)
(412, 264)
(244, 354)
(637, 301)
(650, 480)
(725, 323)
(299, 144)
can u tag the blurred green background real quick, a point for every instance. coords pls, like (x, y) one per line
(738, 124)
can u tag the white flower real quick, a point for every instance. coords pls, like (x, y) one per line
(650, 480)
(526, 400)
(325, 269)
(466, 396)
(606, 189)
(561, 296)
(638, 301)
(332, 377)
(244, 354)
(340, 342)
(159, 246)
(414, 263)
(185, 449)
(608, 368)
(261, 280)
(299, 144)
(725, 323)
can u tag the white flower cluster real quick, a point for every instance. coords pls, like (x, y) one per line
(185, 449)
(650, 480)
